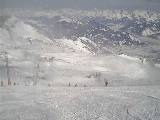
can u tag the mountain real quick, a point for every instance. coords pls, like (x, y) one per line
(113, 31)
(79, 65)
(40, 44)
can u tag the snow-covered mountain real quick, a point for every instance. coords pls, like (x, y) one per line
(47, 42)
(108, 31)
(76, 64)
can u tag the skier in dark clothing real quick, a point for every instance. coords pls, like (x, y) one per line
(106, 83)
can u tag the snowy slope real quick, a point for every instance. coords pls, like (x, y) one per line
(113, 31)
(75, 57)
(61, 61)
(35, 103)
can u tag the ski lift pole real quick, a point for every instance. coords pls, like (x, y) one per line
(36, 74)
(7, 67)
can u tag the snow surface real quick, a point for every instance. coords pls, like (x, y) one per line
(63, 103)
(60, 79)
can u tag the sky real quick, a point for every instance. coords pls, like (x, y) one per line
(80, 4)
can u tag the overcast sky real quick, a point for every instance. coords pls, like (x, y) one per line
(80, 4)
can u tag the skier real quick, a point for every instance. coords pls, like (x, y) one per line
(106, 83)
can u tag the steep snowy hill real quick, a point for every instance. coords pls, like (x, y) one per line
(57, 48)
(113, 31)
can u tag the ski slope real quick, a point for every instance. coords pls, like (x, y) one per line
(62, 79)
(70, 103)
